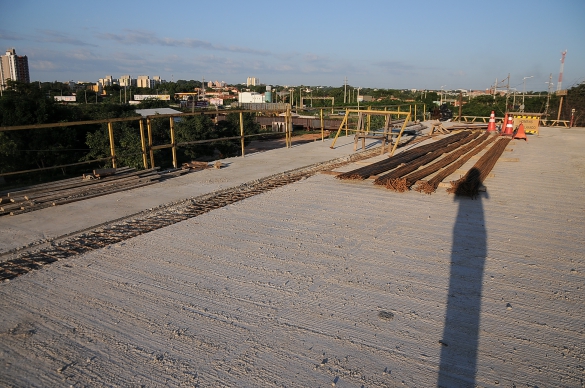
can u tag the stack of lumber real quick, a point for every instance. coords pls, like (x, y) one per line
(100, 182)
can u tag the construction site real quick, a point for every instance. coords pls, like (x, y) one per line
(395, 252)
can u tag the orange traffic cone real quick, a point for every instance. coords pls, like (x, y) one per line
(492, 124)
(509, 129)
(520, 134)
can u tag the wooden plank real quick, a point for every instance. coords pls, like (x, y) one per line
(98, 185)
(44, 205)
(51, 184)
(104, 172)
(82, 183)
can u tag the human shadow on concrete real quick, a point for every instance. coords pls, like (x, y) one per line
(459, 344)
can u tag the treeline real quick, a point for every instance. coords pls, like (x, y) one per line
(26, 104)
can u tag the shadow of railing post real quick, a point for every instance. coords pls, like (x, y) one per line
(459, 351)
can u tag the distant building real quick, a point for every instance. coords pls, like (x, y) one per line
(107, 81)
(250, 98)
(252, 81)
(126, 80)
(13, 67)
(365, 98)
(143, 81)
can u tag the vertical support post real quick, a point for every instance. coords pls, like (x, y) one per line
(424, 111)
(112, 147)
(242, 132)
(322, 127)
(414, 112)
(387, 120)
(560, 109)
(149, 129)
(346, 121)
(173, 143)
(286, 125)
(290, 129)
(143, 143)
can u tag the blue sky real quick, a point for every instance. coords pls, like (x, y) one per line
(375, 43)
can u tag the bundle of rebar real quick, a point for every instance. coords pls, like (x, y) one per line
(469, 184)
(392, 179)
(402, 158)
(405, 182)
(431, 185)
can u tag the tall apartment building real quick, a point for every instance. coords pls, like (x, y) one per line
(126, 80)
(107, 81)
(143, 81)
(13, 67)
(252, 81)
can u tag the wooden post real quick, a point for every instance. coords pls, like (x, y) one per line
(149, 129)
(143, 144)
(242, 132)
(173, 143)
(112, 147)
(414, 112)
(322, 128)
(560, 109)
(369, 120)
(386, 130)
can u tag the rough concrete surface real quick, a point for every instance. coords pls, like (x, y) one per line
(50, 223)
(327, 283)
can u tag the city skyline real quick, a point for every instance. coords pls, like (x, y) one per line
(421, 45)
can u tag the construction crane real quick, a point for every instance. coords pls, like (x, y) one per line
(561, 72)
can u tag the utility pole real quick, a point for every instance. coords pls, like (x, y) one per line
(345, 91)
(495, 88)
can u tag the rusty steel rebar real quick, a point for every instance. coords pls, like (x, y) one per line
(405, 183)
(389, 178)
(396, 160)
(469, 184)
(431, 185)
